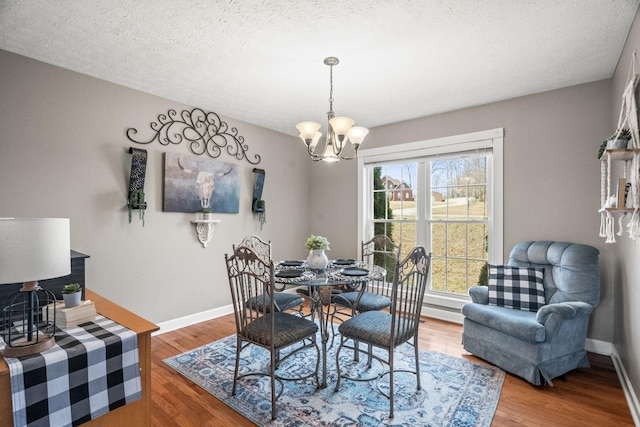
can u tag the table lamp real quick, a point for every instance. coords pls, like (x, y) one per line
(31, 249)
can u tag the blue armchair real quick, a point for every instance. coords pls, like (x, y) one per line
(549, 342)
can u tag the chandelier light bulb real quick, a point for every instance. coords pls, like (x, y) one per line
(329, 155)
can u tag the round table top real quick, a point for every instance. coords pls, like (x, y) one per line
(337, 273)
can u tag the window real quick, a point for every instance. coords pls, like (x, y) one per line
(444, 194)
(458, 220)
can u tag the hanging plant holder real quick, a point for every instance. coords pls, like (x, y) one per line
(626, 199)
(136, 196)
(258, 206)
(136, 201)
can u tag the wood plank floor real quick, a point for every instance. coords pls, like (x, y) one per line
(588, 397)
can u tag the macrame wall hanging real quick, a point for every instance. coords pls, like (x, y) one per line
(626, 200)
(258, 206)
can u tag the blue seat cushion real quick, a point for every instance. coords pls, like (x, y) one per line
(284, 300)
(368, 302)
(517, 323)
(373, 327)
(288, 329)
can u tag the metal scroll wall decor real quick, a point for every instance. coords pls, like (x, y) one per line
(203, 132)
(135, 198)
(258, 206)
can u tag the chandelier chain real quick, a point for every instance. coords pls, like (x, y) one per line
(331, 88)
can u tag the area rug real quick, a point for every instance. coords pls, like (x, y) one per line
(455, 392)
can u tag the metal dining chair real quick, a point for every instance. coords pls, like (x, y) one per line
(390, 328)
(284, 301)
(381, 251)
(264, 326)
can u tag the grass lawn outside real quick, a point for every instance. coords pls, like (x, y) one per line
(458, 249)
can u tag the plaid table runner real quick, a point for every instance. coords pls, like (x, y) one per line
(92, 369)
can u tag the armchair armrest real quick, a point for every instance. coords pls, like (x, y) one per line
(479, 294)
(552, 315)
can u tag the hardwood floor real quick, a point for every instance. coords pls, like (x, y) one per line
(588, 397)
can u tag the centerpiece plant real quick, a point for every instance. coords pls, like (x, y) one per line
(317, 259)
(317, 242)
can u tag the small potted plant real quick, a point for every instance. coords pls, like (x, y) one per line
(317, 259)
(137, 201)
(207, 214)
(620, 140)
(72, 294)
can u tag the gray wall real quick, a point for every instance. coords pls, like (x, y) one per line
(624, 263)
(63, 154)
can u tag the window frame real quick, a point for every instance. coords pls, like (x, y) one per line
(492, 139)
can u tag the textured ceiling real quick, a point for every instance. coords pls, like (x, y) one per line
(261, 61)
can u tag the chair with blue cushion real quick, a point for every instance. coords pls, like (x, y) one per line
(284, 301)
(381, 251)
(388, 329)
(251, 276)
(532, 318)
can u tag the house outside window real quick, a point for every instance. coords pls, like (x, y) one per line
(443, 194)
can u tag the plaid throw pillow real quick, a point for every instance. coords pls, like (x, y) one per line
(516, 287)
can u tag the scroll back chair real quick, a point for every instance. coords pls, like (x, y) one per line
(264, 326)
(284, 301)
(389, 329)
(381, 251)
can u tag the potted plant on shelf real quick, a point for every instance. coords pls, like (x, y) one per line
(615, 142)
(317, 259)
(207, 214)
(620, 140)
(72, 294)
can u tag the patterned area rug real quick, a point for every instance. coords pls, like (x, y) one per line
(455, 392)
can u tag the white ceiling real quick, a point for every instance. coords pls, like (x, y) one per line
(261, 61)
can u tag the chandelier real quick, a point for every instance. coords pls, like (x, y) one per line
(340, 130)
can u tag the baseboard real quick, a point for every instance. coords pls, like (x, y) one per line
(192, 319)
(627, 387)
(440, 314)
(599, 347)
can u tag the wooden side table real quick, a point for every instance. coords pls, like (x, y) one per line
(137, 413)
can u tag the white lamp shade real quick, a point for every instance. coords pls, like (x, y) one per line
(315, 140)
(308, 130)
(356, 135)
(341, 125)
(33, 249)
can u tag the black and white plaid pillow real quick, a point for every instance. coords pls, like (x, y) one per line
(516, 287)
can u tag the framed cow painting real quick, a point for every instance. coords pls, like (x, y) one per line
(194, 183)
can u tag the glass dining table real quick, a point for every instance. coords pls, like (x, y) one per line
(322, 285)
